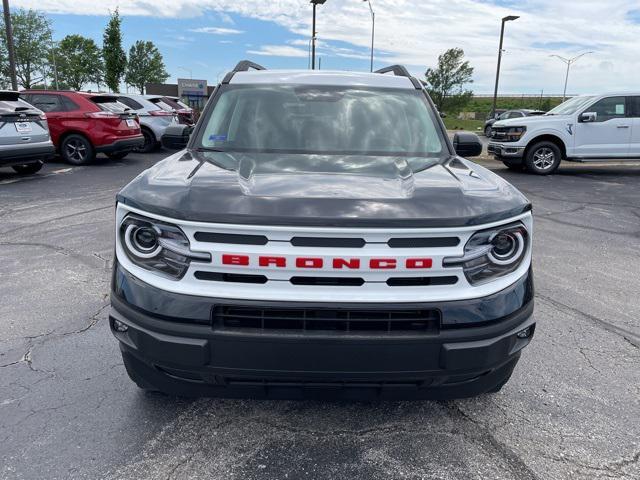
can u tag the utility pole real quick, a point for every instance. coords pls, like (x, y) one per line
(495, 91)
(10, 49)
(373, 29)
(313, 32)
(569, 62)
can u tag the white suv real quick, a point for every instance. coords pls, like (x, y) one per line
(584, 128)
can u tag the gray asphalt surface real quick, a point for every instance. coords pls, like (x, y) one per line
(68, 410)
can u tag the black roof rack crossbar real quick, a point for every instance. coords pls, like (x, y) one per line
(242, 66)
(401, 71)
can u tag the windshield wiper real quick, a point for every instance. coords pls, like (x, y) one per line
(209, 149)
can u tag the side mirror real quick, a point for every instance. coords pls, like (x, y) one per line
(467, 144)
(442, 115)
(588, 117)
(176, 137)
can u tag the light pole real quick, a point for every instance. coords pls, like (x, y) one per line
(495, 91)
(53, 57)
(10, 49)
(187, 70)
(569, 62)
(373, 29)
(315, 3)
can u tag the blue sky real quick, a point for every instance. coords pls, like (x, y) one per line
(210, 36)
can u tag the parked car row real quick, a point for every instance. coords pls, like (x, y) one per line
(36, 124)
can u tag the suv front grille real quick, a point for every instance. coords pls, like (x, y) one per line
(355, 321)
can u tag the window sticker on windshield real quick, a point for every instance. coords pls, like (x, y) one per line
(620, 109)
(218, 138)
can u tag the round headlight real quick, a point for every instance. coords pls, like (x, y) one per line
(507, 247)
(142, 241)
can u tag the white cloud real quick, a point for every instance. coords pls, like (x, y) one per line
(414, 32)
(279, 51)
(217, 30)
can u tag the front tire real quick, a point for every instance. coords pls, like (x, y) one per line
(28, 169)
(543, 158)
(77, 150)
(150, 142)
(487, 131)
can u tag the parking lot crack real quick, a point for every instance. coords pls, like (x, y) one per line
(630, 337)
(62, 217)
(483, 433)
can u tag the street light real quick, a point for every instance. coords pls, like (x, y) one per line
(315, 3)
(373, 29)
(569, 62)
(10, 48)
(495, 91)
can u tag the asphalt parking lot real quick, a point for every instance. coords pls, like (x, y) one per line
(68, 410)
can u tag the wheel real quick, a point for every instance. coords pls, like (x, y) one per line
(117, 155)
(487, 131)
(77, 150)
(543, 158)
(516, 167)
(150, 142)
(29, 168)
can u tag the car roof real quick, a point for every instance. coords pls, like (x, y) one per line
(321, 77)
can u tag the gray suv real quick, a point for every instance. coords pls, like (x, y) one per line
(24, 134)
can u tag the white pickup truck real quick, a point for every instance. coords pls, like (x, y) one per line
(584, 128)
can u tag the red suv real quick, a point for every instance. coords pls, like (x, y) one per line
(83, 124)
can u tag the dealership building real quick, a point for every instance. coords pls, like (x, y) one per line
(191, 91)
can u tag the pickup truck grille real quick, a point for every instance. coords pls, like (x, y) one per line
(355, 321)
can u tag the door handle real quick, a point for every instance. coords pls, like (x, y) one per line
(623, 126)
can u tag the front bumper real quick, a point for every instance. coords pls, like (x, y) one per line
(123, 145)
(171, 344)
(505, 150)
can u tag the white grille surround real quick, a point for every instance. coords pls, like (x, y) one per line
(278, 286)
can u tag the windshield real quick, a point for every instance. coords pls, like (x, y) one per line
(322, 120)
(570, 106)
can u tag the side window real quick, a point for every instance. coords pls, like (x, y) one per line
(609, 108)
(68, 104)
(129, 102)
(633, 104)
(517, 114)
(47, 103)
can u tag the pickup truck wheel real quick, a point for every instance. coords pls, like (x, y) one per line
(487, 131)
(77, 150)
(543, 158)
(28, 169)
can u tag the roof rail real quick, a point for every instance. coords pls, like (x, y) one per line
(242, 66)
(401, 71)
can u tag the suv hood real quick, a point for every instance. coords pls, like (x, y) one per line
(320, 190)
(533, 120)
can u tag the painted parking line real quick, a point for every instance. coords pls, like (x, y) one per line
(37, 176)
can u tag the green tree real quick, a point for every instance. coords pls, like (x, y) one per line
(79, 62)
(446, 82)
(31, 37)
(115, 59)
(145, 65)
(4, 62)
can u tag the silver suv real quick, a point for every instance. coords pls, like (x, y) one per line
(24, 134)
(155, 116)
